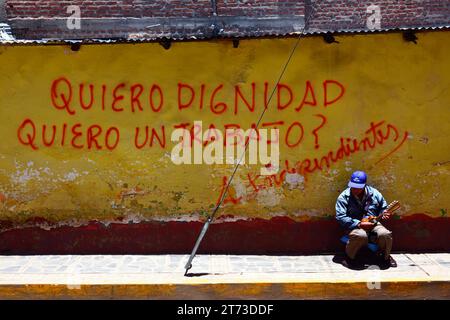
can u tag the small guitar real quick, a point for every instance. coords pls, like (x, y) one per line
(391, 208)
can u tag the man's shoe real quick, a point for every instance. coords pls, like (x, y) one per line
(388, 263)
(350, 263)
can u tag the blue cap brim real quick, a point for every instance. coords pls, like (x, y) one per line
(356, 185)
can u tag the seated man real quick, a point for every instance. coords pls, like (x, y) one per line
(356, 202)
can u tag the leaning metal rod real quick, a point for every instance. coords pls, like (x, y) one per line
(188, 265)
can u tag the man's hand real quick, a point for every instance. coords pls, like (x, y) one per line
(386, 215)
(366, 225)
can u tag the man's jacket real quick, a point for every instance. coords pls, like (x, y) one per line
(350, 211)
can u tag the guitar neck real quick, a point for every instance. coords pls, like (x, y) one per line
(391, 208)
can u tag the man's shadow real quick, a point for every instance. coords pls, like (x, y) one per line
(364, 260)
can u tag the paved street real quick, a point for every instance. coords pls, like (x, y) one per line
(423, 276)
(137, 269)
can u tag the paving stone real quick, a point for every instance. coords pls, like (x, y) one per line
(153, 266)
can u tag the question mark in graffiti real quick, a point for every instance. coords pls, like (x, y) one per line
(314, 132)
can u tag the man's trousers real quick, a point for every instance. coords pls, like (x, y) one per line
(359, 238)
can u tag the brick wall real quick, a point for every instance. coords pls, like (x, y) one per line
(184, 17)
(352, 14)
(256, 8)
(153, 8)
(110, 8)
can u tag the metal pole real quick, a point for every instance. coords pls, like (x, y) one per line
(197, 244)
(210, 218)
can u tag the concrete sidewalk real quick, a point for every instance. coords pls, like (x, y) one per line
(418, 276)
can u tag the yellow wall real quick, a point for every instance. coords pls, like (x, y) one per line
(385, 79)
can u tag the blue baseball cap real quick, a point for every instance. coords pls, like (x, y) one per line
(358, 180)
